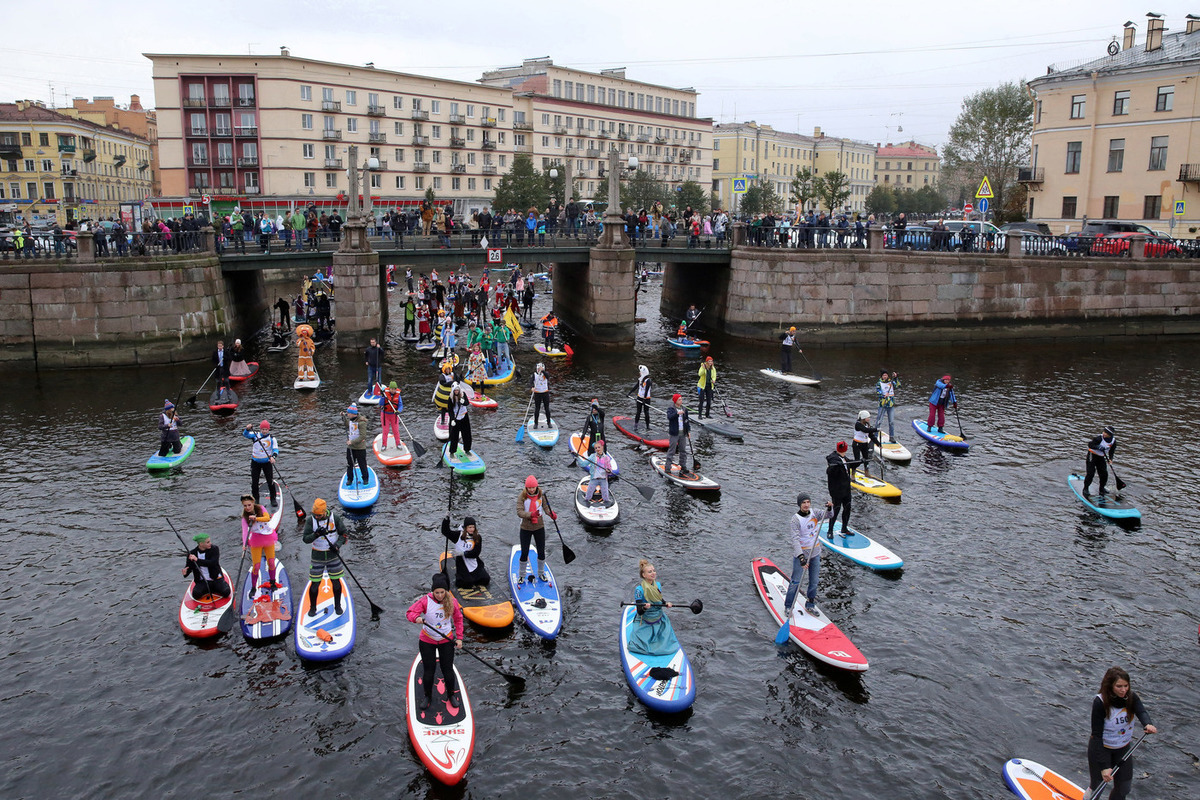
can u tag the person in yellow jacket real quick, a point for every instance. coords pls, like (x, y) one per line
(305, 370)
(705, 386)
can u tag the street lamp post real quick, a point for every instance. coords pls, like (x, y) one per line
(614, 224)
(356, 224)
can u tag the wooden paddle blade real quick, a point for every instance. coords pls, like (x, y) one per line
(784, 632)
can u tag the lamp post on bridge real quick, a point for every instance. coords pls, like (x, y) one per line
(614, 223)
(355, 236)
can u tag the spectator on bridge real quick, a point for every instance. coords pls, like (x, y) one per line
(426, 218)
(238, 233)
(313, 226)
(335, 226)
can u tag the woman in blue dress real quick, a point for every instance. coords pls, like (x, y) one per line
(650, 632)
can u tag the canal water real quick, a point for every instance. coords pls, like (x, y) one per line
(990, 644)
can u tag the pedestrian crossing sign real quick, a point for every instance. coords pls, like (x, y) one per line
(985, 189)
(739, 185)
(1179, 206)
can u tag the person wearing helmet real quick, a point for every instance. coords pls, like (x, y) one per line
(1100, 454)
(838, 471)
(866, 438)
(262, 458)
(593, 426)
(886, 390)
(643, 388)
(705, 386)
(356, 444)
(806, 551)
(323, 530)
(530, 508)
(541, 394)
(460, 420)
(943, 395)
(788, 339)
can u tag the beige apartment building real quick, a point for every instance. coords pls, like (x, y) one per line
(758, 153)
(907, 165)
(1119, 137)
(855, 159)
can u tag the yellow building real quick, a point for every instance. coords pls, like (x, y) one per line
(854, 159)
(907, 165)
(56, 168)
(1119, 137)
(132, 119)
(758, 153)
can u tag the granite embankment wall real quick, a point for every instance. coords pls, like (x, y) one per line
(861, 297)
(56, 315)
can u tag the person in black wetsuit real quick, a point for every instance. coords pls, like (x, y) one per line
(204, 564)
(1113, 712)
(469, 570)
(285, 314)
(593, 426)
(1099, 455)
(837, 472)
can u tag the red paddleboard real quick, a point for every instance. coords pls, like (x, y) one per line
(253, 365)
(443, 734)
(625, 426)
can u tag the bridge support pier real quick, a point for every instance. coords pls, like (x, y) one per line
(597, 299)
(360, 289)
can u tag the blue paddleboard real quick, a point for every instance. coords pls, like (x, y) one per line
(1107, 506)
(266, 612)
(170, 460)
(950, 441)
(661, 691)
(352, 493)
(538, 602)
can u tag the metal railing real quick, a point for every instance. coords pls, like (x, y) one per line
(377, 138)
(252, 190)
(488, 169)
(1031, 175)
(457, 142)
(333, 163)
(246, 131)
(246, 102)
(195, 102)
(458, 119)
(331, 135)
(376, 111)
(420, 141)
(420, 166)
(1189, 172)
(488, 122)
(488, 144)
(458, 169)
(248, 161)
(419, 114)
(331, 105)
(220, 102)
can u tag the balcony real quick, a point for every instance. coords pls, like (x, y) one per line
(246, 102)
(195, 102)
(489, 169)
(458, 169)
(623, 135)
(650, 158)
(333, 163)
(89, 154)
(376, 111)
(331, 135)
(10, 149)
(457, 141)
(685, 156)
(252, 190)
(377, 138)
(223, 132)
(66, 147)
(219, 102)
(1031, 175)
(331, 105)
(194, 131)
(420, 166)
(246, 131)
(522, 126)
(643, 137)
(593, 152)
(197, 191)
(458, 119)
(119, 161)
(224, 190)
(560, 130)
(523, 148)
(420, 141)
(248, 161)
(143, 164)
(602, 134)
(488, 144)
(418, 114)
(488, 122)
(225, 161)
(382, 165)
(70, 173)
(1189, 172)
(660, 140)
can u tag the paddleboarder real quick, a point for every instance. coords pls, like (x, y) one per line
(689, 316)
(168, 427)
(651, 634)
(682, 336)
(262, 458)
(469, 570)
(593, 426)
(600, 466)
(306, 347)
(678, 427)
(541, 393)
(1113, 712)
(284, 308)
(806, 551)
(866, 438)
(441, 612)
(643, 388)
(943, 395)
(886, 391)
(356, 444)
(410, 312)
(220, 361)
(323, 530)
(705, 386)
(477, 368)
(1100, 454)
(389, 414)
(238, 367)
(204, 564)
(533, 527)
(374, 361)
(261, 538)
(788, 339)
(460, 419)
(549, 328)
(837, 474)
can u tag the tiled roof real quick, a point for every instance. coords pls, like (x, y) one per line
(910, 150)
(9, 112)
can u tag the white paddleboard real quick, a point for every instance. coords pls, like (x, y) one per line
(789, 377)
(893, 451)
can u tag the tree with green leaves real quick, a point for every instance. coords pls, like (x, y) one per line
(522, 187)
(692, 194)
(991, 137)
(430, 197)
(881, 200)
(638, 191)
(759, 198)
(832, 188)
(802, 188)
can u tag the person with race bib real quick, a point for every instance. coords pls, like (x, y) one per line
(323, 530)
(204, 564)
(305, 347)
(837, 474)
(600, 467)
(460, 418)
(943, 395)
(593, 426)
(679, 426)
(541, 394)
(440, 612)
(1100, 454)
(549, 329)
(389, 414)
(262, 459)
(643, 388)
(806, 552)
(706, 385)
(886, 391)
(652, 634)
(533, 527)
(788, 340)
(168, 428)
(356, 444)
(467, 544)
(866, 439)
(1113, 712)
(261, 538)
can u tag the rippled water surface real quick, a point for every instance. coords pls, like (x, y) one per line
(1012, 603)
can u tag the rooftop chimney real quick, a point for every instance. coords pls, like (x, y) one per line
(135, 103)
(1130, 32)
(1193, 23)
(1154, 32)
(817, 132)
(283, 51)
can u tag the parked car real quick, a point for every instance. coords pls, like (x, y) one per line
(1103, 227)
(1117, 244)
(1039, 228)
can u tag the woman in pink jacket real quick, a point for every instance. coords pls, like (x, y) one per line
(441, 620)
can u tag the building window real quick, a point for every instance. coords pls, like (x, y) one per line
(487, 184)
(327, 94)
(470, 110)
(397, 102)
(436, 132)
(398, 127)
(456, 183)
(399, 181)
(331, 151)
(1037, 112)
(351, 97)
(376, 180)
(557, 88)
(47, 165)
(437, 156)
(1112, 206)
(351, 125)
(1078, 102)
(1152, 206)
(43, 140)
(400, 154)
(716, 164)
(1166, 98)
(306, 121)
(1068, 209)
(1116, 155)
(48, 191)
(1121, 103)
(419, 182)
(1158, 153)
(308, 150)
(330, 180)
(435, 106)
(470, 184)
(310, 180)
(1074, 157)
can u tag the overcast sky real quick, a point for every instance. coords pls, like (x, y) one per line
(861, 70)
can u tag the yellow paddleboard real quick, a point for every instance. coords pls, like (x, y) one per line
(873, 485)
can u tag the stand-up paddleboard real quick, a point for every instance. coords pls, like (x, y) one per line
(409, 337)
(156, 462)
(555, 353)
(869, 484)
(947, 440)
(441, 427)
(859, 548)
(469, 465)
(812, 630)
(252, 366)
(657, 439)
(664, 683)
(223, 402)
(369, 398)
(443, 734)
(486, 606)
(396, 454)
(538, 601)
(543, 436)
(199, 618)
(893, 451)
(279, 348)
(354, 494)
(266, 607)
(686, 344)
(693, 481)
(579, 445)
(307, 383)
(1109, 505)
(594, 510)
(426, 346)
(440, 351)
(484, 402)
(789, 377)
(503, 374)
(327, 635)
(1029, 780)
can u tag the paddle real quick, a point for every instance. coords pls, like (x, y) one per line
(1113, 774)
(1120, 483)
(192, 400)
(568, 553)
(375, 610)
(524, 419)
(225, 623)
(1046, 780)
(816, 374)
(300, 515)
(692, 447)
(693, 322)
(785, 630)
(959, 421)
(696, 605)
(721, 397)
(647, 491)
(516, 681)
(418, 448)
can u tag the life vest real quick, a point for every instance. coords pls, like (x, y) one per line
(324, 529)
(392, 404)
